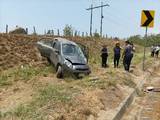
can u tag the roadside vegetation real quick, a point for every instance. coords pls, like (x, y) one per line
(69, 98)
(149, 41)
(23, 73)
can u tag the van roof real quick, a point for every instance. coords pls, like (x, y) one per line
(63, 40)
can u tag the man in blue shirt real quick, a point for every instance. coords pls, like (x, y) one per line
(127, 56)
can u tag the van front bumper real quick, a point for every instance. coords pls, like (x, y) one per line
(77, 69)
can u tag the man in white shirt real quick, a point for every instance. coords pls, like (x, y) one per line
(157, 50)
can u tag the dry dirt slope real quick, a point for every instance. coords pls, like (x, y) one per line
(16, 50)
(36, 92)
(21, 49)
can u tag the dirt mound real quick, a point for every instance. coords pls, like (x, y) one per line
(18, 30)
(17, 50)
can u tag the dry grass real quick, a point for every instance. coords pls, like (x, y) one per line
(68, 98)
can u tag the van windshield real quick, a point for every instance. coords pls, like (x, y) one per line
(72, 50)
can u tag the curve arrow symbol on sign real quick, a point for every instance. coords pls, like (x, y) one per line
(150, 18)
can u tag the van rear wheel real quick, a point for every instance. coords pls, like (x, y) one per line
(59, 72)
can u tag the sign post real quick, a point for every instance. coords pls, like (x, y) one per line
(144, 56)
(147, 20)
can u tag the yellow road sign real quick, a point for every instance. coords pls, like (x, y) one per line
(147, 18)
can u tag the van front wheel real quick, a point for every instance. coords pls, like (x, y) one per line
(59, 72)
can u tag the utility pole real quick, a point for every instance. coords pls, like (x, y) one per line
(101, 28)
(91, 9)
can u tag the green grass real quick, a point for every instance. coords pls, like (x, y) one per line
(93, 84)
(26, 73)
(100, 83)
(137, 58)
(53, 93)
(4, 80)
(47, 96)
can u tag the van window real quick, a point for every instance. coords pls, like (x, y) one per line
(72, 50)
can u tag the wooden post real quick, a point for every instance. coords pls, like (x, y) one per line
(34, 30)
(6, 29)
(75, 33)
(58, 32)
(78, 33)
(53, 32)
(106, 36)
(86, 34)
(45, 32)
(26, 30)
(82, 34)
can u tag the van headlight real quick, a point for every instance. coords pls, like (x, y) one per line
(85, 59)
(68, 63)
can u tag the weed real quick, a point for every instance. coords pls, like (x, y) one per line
(1, 114)
(87, 83)
(25, 73)
(53, 93)
(44, 71)
(129, 82)
(112, 83)
(25, 112)
(47, 96)
(4, 80)
(21, 111)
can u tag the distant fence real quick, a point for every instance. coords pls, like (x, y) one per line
(53, 32)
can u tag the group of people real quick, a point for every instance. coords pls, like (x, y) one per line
(155, 50)
(127, 55)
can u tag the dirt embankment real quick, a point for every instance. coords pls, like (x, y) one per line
(21, 49)
(17, 50)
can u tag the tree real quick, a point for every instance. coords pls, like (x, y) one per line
(68, 30)
(150, 40)
(96, 35)
(75, 33)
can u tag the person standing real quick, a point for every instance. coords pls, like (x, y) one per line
(157, 51)
(104, 55)
(127, 56)
(117, 54)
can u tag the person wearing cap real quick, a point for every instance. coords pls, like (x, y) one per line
(104, 55)
(117, 54)
(127, 56)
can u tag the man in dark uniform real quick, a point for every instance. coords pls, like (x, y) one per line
(104, 55)
(127, 56)
(117, 54)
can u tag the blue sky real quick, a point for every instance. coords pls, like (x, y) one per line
(121, 19)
